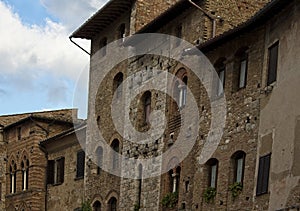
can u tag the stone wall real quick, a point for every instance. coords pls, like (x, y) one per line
(70, 194)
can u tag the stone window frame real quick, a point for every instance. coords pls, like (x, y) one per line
(13, 176)
(115, 161)
(99, 155)
(56, 171)
(96, 206)
(25, 164)
(235, 158)
(112, 204)
(117, 82)
(212, 173)
(220, 66)
(179, 88)
(241, 55)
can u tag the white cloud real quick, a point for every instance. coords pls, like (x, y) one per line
(36, 50)
(38, 60)
(72, 13)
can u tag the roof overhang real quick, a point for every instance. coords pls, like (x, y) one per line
(103, 18)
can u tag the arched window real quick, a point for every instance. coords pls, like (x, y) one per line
(13, 176)
(97, 206)
(220, 68)
(118, 80)
(112, 204)
(238, 159)
(241, 67)
(115, 145)
(147, 106)
(99, 154)
(180, 88)
(174, 175)
(122, 31)
(25, 173)
(212, 165)
(103, 43)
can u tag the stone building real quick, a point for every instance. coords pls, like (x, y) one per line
(23, 163)
(253, 47)
(65, 155)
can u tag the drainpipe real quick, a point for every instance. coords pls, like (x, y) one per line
(211, 17)
(79, 46)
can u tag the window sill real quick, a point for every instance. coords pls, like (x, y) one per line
(79, 178)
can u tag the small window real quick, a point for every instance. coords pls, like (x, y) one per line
(80, 164)
(112, 204)
(263, 175)
(241, 68)
(239, 166)
(25, 174)
(122, 31)
(221, 69)
(273, 62)
(102, 46)
(13, 177)
(115, 158)
(147, 106)
(97, 206)
(117, 86)
(222, 81)
(213, 172)
(55, 171)
(183, 93)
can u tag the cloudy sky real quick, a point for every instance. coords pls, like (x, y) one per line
(39, 66)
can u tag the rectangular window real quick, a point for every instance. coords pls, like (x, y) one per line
(55, 171)
(221, 82)
(80, 164)
(239, 170)
(263, 175)
(243, 74)
(273, 62)
(213, 176)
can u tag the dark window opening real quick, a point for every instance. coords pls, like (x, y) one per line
(80, 164)
(147, 106)
(56, 171)
(97, 206)
(115, 157)
(122, 31)
(213, 172)
(112, 204)
(273, 63)
(263, 175)
(117, 86)
(140, 168)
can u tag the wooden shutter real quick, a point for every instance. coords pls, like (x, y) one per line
(80, 164)
(273, 61)
(263, 175)
(50, 172)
